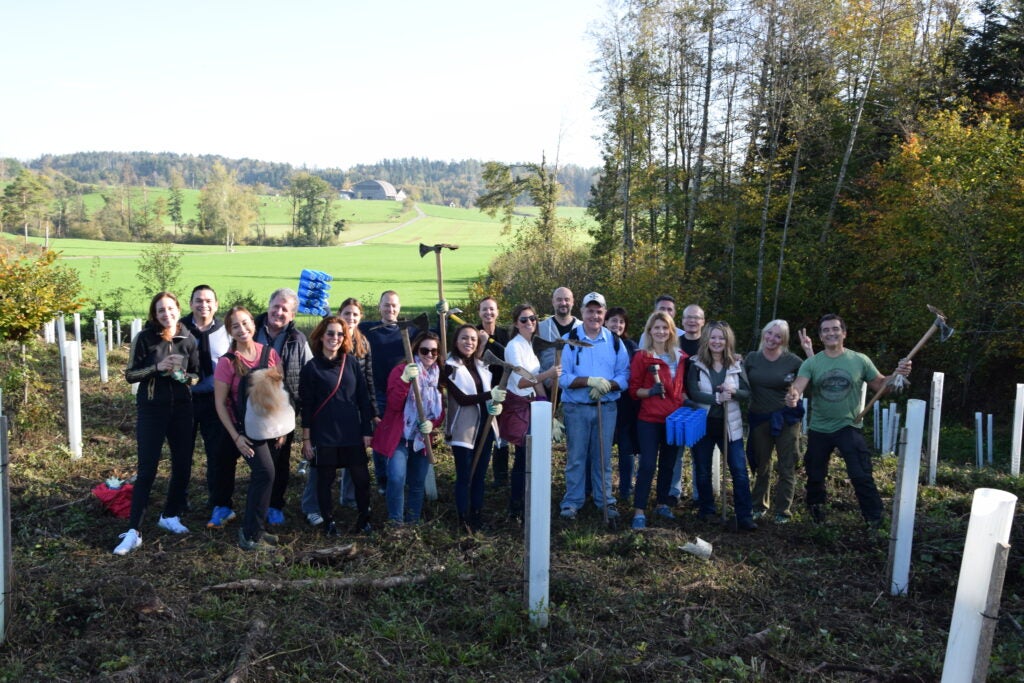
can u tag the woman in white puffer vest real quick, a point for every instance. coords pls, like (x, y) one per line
(715, 381)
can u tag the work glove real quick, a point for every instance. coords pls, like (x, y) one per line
(498, 394)
(657, 390)
(602, 385)
(441, 307)
(410, 372)
(426, 427)
(557, 431)
(493, 408)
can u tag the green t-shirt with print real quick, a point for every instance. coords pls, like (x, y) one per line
(836, 388)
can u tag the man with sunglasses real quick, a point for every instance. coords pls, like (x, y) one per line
(838, 376)
(592, 379)
(494, 339)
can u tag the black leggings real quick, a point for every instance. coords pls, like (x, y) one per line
(352, 458)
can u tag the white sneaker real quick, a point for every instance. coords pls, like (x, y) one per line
(172, 524)
(130, 540)
(314, 519)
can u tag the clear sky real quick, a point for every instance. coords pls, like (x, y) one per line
(325, 83)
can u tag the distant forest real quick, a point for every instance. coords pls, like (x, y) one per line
(435, 182)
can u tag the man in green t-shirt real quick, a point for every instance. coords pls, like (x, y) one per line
(837, 376)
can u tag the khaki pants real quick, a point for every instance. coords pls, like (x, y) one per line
(760, 443)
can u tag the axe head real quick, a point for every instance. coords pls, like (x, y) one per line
(418, 324)
(945, 331)
(490, 359)
(542, 344)
(427, 248)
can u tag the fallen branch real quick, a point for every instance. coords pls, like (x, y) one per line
(268, 586)
(343, 552)
(256, 632)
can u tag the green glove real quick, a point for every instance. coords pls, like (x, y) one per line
(493, 408)
(426, 427)
(410, 372)
(498, 394)
(441, 308)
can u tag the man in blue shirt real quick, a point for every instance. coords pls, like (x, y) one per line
(592, 379)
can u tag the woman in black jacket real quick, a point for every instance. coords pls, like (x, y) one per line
(336, 419)
(164, 360)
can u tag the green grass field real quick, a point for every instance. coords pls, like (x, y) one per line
(379, 251)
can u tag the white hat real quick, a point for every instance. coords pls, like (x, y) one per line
(594, 297)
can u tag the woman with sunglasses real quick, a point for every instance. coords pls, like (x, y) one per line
(351, 313)
(336, 419)
(164, 360)
(715, 380)
(471, 398)
(401, 435)
(656, 379)
(514, 421)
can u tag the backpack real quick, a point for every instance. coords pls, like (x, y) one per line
(239, 406)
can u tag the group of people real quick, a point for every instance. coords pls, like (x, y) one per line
(358, 384)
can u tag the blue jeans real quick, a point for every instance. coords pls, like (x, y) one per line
(584, 448)
(405, 468)
(676, 491)
(737, 459)
(654, 450)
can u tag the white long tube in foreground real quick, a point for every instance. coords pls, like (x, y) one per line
(991, 519)
(538, 513)
(904, 517)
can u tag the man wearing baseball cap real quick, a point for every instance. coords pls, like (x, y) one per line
(592, 379)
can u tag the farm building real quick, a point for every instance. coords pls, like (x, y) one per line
(377, 189)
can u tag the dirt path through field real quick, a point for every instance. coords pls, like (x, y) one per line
(419, 215)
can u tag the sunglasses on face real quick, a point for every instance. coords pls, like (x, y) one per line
(427, 352)
(528, 319)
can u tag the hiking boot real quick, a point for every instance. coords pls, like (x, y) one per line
(130, 540)
(818, 514)
(362, 525)
(746, 525)
(759, 514)
(612, 512)
(568, 512)
(664, 511)
(782, 519)
(172, 524)
(639, 522)
(262, 543)
(314, 519)
(275, 516)
(221, 516)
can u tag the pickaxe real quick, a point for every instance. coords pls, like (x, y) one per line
(506, 371)
(540, 344)
(419, 323)
(896, 382)
(424, 250)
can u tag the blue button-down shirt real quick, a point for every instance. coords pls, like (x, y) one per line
(599, 360)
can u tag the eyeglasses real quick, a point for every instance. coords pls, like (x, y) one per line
(424, 351)
(528, 319)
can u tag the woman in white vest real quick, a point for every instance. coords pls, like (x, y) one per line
(471, 398)
(715, 381)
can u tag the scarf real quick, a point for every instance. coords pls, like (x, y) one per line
(431, 395)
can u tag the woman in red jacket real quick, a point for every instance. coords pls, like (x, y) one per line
(401, 436)
(656, 377)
